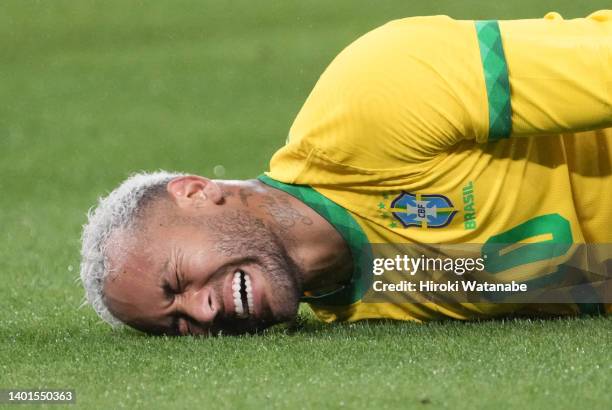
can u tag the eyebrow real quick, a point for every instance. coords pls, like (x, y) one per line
(162, 276)
(164, 269)
(173, 326)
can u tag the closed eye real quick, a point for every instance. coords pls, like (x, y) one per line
(169, 289)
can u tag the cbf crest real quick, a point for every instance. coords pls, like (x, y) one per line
(421, 210)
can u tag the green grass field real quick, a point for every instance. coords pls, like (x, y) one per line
(93, 90)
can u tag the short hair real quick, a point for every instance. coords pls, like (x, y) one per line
(119, 210)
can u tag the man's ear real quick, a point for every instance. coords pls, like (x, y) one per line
(194, 190)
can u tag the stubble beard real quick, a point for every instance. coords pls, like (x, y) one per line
(240, 234)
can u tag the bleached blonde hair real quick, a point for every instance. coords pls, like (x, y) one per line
(119, 210)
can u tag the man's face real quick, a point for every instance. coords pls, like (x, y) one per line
(202, 274)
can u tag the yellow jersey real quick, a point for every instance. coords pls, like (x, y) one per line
(430, 130)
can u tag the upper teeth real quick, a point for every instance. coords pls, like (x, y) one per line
(241, 310)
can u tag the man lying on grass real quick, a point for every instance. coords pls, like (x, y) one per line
(426, 130)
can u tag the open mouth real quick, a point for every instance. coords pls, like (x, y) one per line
(243, 295)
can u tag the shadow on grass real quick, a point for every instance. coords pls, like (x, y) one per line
(91, 330)
(308, 325)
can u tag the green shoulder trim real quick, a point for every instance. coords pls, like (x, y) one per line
(350, 231)
(496, 78)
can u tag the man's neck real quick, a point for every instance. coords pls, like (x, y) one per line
(310, 240)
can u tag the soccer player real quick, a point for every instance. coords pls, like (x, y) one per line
(427, 130)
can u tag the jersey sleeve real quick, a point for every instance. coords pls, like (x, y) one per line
(416, 87)
(560, 73)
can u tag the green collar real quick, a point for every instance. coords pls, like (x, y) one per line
(350, 231)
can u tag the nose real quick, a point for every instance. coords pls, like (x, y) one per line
(201, 306)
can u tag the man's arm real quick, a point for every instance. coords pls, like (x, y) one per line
(411, 89)
(560, 73)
